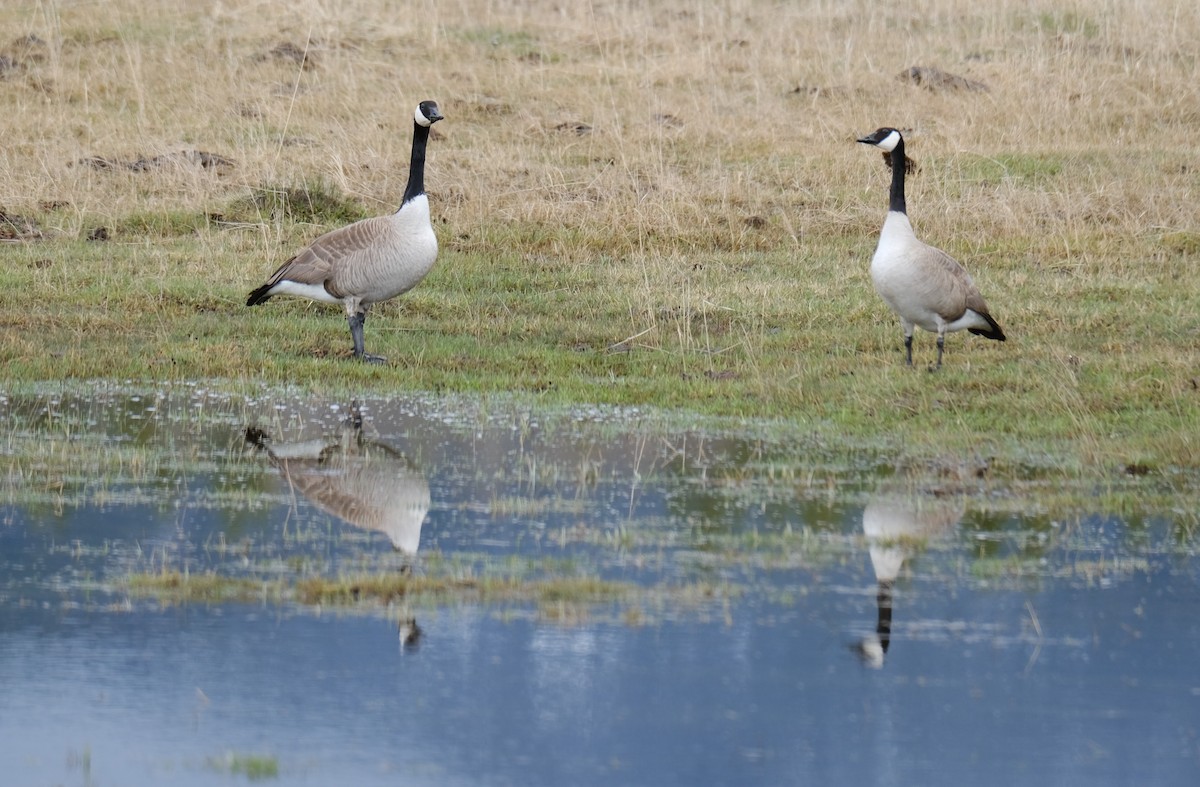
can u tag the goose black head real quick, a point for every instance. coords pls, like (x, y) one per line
(888, 139)
(427, 114)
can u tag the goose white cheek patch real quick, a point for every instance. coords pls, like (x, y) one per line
(421, 119)
(889, 142)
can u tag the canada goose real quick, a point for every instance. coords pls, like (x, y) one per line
(924, 286)
(894, 526)
(369, 261)
(368, 485)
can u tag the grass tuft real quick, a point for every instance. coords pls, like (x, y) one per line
(311, 203)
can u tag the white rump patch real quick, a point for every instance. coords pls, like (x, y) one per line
(316, 292)
(970, 319)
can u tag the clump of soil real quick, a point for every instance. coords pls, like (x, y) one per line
(22, 53)
(305, 58)
(200, 158)
(312, 203)
(14, 227)
(935, 79)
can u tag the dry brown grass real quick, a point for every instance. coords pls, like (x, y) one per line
(578, 128)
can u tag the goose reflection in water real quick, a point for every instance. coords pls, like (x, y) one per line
(410, 634)
(367, 484)
(897, 527)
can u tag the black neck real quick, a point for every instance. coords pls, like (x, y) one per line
(884, 626)
(899, 164)
(416, 167)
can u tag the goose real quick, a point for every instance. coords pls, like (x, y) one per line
(369, 261)
(365, 484)
(923, 285)
(895, 527)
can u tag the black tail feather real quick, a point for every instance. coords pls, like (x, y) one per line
(259, 296)
(993, 332)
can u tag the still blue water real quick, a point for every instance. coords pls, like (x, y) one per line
(1077, 669)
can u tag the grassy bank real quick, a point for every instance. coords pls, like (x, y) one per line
(659, 205)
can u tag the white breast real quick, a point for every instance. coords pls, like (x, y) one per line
(397, 260)
(896, 241)
(413, 249)
(897, 278)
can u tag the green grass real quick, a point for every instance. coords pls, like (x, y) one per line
(1057, 23)
(1026, 169)
(797, 335)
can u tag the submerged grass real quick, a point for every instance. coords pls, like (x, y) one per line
(611, 231)
(254, 767)
(389, 587)
(562, 598)
(175, 588)
(697, 575)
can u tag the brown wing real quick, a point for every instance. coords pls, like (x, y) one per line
(333, 492)
(318, 263)
(958, 286)
(962, 294)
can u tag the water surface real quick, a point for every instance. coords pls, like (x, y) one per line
(787, 616)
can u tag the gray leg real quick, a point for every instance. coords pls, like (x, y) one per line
(907, 326)
(941, 341)
(356, 322)
(356, 332)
